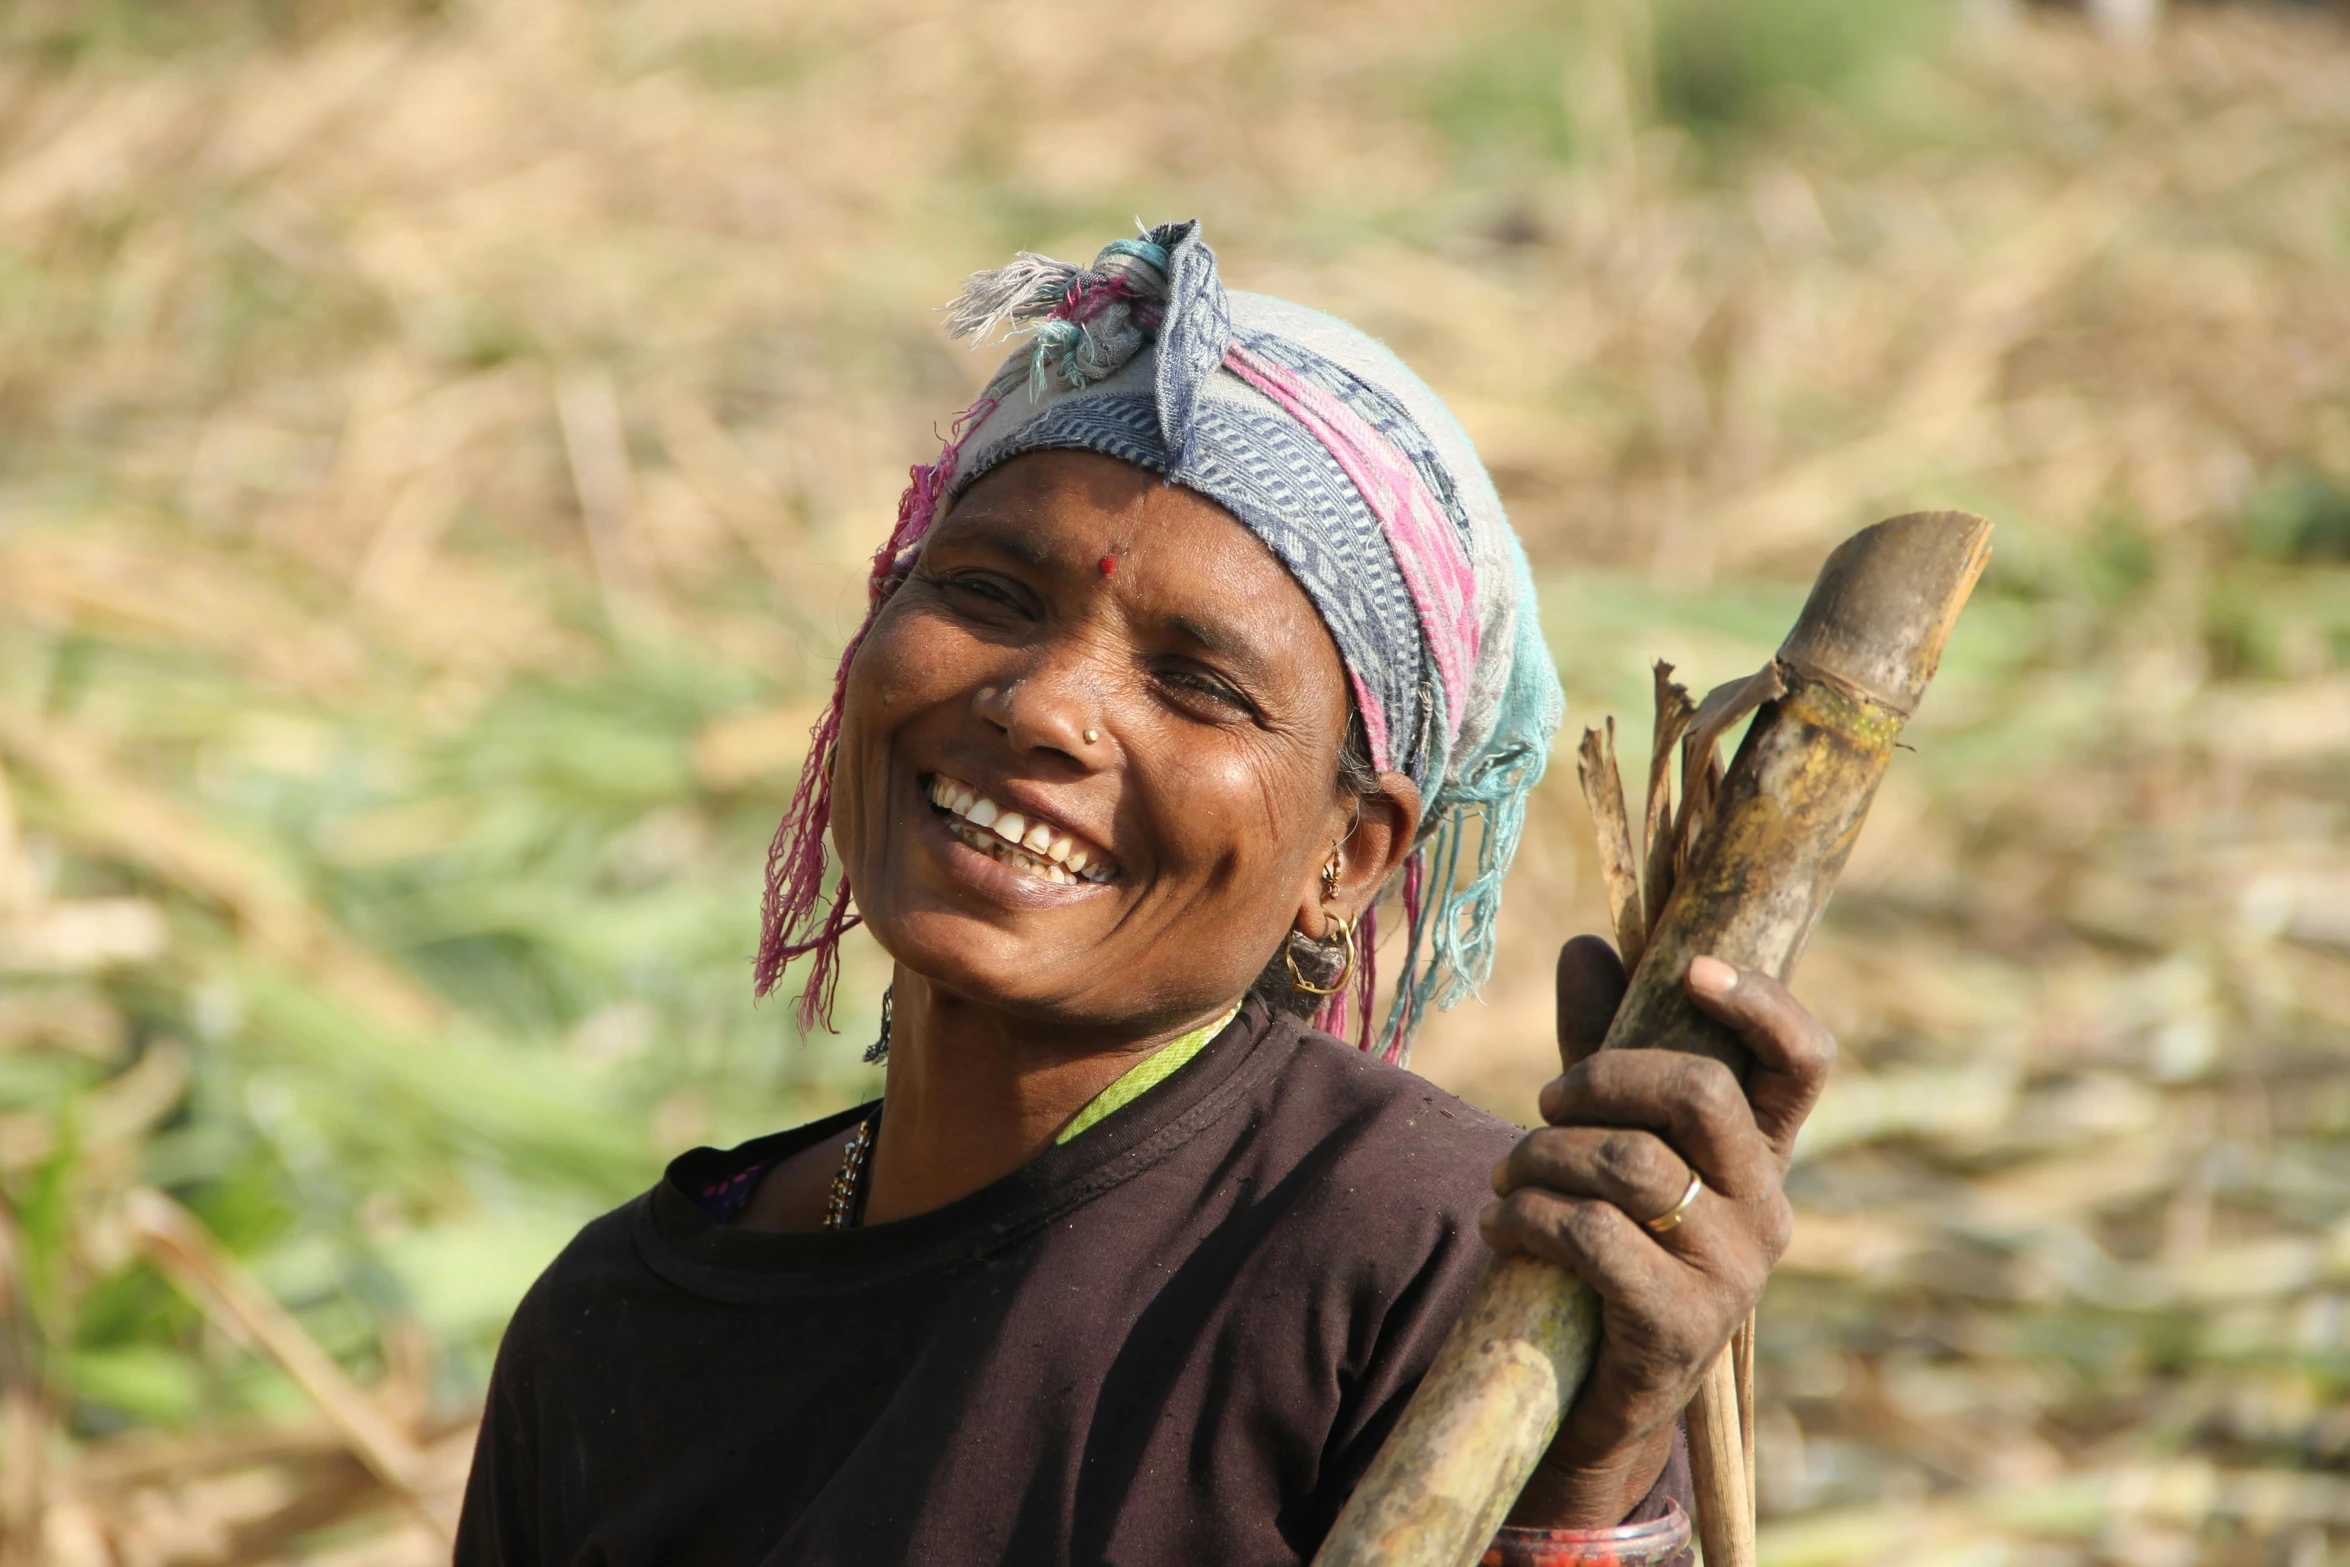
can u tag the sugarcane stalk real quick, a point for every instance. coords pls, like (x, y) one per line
(1776, 832)
(1720, 1479)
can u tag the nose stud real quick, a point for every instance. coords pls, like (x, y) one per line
(1091, 735)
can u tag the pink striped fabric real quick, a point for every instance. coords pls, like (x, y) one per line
(1427, 551)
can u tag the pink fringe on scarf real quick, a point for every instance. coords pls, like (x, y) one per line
(789, 925)
(1090, 296)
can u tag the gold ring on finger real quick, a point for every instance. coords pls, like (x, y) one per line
(1671, 1217)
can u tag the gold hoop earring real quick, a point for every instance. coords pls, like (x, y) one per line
(1346, 934)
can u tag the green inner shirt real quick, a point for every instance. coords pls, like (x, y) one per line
(1145, 1075)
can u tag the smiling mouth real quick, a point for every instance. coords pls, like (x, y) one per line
(1027, 844)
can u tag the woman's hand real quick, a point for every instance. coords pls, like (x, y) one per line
(1628, 1128)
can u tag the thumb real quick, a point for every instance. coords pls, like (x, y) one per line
(1591, 985)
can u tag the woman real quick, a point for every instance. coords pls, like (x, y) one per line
(1205, 629)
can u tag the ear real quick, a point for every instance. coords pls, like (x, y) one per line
(1377, 838)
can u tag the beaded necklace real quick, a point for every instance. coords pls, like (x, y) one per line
(846, 1205)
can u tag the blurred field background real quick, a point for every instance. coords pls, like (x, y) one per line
(438, 448)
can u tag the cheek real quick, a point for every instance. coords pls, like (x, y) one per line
(894, 656)
(904, 666)
(917, 656)
(1241, 801)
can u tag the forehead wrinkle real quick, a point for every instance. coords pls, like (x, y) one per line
(1003, 534)
(1024, 523)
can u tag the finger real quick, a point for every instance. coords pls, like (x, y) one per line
(1592, 1239)
(1793, 1051)
(1631, 1168)
(1692, 1102)
(1591, 986)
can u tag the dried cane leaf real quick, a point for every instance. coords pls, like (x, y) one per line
(1674, 711)
(1603, 792)
(1701, 763)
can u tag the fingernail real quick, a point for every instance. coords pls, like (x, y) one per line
(1712, 976)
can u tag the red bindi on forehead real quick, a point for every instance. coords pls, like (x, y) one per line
(1109, 565)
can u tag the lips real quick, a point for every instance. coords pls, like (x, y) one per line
(1022, 841)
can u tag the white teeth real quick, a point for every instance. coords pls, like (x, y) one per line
(1031, 845)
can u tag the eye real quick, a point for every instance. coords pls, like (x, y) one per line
(984, 593)
(1200, 689)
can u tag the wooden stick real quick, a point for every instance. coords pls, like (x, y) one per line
(1509, 1369)
(1781, 827)
(1717, 1467)
(1742, 1348)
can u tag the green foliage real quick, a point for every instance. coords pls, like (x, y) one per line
(1501, 96)
(551, 870)
(146, 1382)
(2269, 622)
(71, 32)
(1724, 63)
(2300, 515)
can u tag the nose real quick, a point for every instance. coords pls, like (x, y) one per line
(1053, 705)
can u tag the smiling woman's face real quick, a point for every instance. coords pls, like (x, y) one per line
(1162, 738)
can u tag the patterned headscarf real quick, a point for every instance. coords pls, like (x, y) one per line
(1352, 472)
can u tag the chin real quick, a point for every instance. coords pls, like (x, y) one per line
(977, 960)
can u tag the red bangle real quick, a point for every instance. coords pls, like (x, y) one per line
(1650, 1544)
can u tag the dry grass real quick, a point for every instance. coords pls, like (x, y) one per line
(436, 450)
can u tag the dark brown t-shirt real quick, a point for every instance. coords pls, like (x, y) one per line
(1177, 1339)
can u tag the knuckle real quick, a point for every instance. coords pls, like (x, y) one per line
(1710, 1090)
(1532, 1214)
(1585, 1226)
(1626, 1159)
